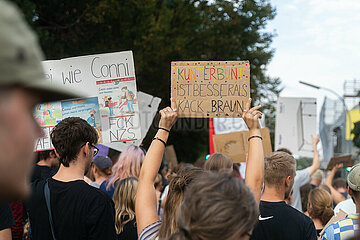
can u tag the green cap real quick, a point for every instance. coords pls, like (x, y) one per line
(353, 178)
(21, 56)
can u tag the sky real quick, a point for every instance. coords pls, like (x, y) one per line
(318, 41)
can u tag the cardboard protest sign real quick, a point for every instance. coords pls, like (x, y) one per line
(111, 79)
(295, 123)
(346, 160)
(208, 89)
(235, 145)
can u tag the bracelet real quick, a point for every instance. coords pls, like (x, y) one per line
(254, 137)
(160, 128)
(156, 138)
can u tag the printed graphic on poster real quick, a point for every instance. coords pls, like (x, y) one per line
(48, 114)
(210, 89)
(85, 108)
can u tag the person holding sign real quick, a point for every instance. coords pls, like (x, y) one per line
(22, 87)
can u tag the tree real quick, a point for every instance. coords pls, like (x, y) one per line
(356, 132)
(158, 32)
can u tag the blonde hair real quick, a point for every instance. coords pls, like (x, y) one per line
(128, 165)
(218, 161)
(177, 185)
(321, 205)
(216, 206)
(278, 165)
(124, 199)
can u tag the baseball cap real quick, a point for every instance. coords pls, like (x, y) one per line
(353, 178)
(102, 162)
(21, 56)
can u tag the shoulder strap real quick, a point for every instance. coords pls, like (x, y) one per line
(47, 198)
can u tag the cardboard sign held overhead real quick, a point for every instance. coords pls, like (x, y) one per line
(346, 160)
(236, 146)
(209, 89)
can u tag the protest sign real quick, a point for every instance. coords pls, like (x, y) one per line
(111, 79)
(235, 145)
(295, 123)
(346, 160)
(228, 125)
(210, 88)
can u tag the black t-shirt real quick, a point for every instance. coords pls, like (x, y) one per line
(79, 211)
(129, 231)
(42, 173)
(6, 217)
(279, 221)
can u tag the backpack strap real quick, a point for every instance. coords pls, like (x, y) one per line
(47, 199)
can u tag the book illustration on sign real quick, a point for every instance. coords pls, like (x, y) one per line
(129, 97)
(92, 120)
(48, 114)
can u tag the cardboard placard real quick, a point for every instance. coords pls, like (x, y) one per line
(346, 160)
(170, 156)
(235, 145)
(209, 89)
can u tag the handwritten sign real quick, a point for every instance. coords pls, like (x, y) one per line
(235, 145)
(346, 160)
(209, 89)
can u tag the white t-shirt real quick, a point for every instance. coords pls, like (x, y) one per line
(348, 206)
(302, 177)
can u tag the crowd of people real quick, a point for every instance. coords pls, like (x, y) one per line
(75, 194)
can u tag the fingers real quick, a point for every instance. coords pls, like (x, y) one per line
(254, 109)
(247, 105)
(173, 104)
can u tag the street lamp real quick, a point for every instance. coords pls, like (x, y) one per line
(338, 96)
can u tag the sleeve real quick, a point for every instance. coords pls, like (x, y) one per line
(6, 217)
(101, 219)
(328, 234)
(310, 230)
(302, 177)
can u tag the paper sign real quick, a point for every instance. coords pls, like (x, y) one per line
(148, 106)
(111, 79)
(209, 89)
(235, 145)
(346, 160)
(228, 125)
(295, 123)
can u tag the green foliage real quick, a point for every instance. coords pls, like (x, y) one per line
(303, 162)
(158, 32)
(356, 132)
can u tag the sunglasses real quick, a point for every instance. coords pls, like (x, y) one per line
(96, 150)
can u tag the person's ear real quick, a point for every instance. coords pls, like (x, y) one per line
(53, 155)
(56, 153)
(86, 149)
(287, 181)
(350, 192)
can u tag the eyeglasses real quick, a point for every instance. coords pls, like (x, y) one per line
(96, 150)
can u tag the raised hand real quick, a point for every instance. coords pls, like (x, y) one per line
(315, 139)
(251, 116)
(169, 116)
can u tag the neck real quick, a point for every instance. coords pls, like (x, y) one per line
(75, 171)
(43, 163)
(100, 179)
(273, 194)
(317, 223)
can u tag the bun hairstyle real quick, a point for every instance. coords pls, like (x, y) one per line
(178, 183)
(216, 206)
(321, 205)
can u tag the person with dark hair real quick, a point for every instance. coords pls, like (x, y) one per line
(348, 227)
(65, 206)
(304, 193)
(278, 220)
(303, 176)
(46, 166)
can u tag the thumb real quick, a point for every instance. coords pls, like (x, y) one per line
(173, 103)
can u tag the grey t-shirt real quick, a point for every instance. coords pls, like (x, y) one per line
(302, 177)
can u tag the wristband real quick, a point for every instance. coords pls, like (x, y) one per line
(164, 129)
(254, 137)
(156, 138)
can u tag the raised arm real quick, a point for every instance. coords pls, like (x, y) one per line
(146, 205)
(337, 197)
(254, 175)
(316, 163)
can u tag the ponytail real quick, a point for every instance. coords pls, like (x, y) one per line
(182, 234)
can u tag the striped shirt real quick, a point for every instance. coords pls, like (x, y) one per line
(343, 229)
(150, 232)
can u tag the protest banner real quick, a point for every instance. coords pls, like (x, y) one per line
(228, 125)
(111, 79)
(208, 89)
(346, 160)
(235, 145)
(295, 123)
